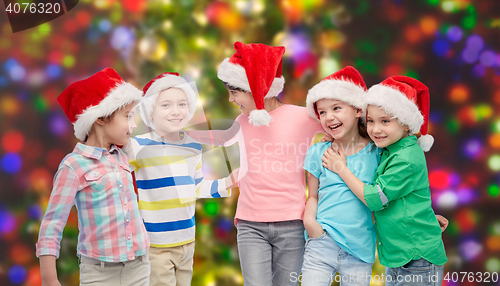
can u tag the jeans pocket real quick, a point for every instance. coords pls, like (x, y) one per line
(316, 238)
(419, 265)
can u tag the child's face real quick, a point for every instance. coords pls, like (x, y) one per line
(120, 125)
(383, 128)
(338, 118)
(243, 99)
(171, 112)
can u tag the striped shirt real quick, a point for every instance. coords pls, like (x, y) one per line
(99, 183)
(169, 180)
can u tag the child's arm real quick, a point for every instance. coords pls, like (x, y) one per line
(48, 270)
(395, 182)
(60, 203)
(216, 137)
(312, 226)
(214, 188)
(336, 162)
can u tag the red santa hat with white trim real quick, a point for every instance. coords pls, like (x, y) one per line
(97, 96)
(255, 68)
(346, 85)
(408, 100)
(160, 83)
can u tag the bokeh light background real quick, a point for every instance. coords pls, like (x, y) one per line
(453, 46)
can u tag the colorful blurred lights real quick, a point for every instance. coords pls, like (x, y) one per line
(122, 38)
(493, 265)
(493, 190)
(454, 33)
(495, 141)
(53, 71)
(11, 163)
(17, 73)
(473, 148)
(488, 59)
(475, 43)
(447, 200)
(13, 141)
(105, 25)
(471, 249)
(17, 274)
(494, 163)
(441, 47)
(459, 93)
(7, 221)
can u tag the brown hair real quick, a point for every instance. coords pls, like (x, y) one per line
(363, 132)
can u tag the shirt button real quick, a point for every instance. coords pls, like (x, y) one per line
(121, 186)
(128, 237)
(380, 243)
(127, 220)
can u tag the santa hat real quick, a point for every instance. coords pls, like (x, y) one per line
(99, 95)
(408, 100)
(345, 85)
(255, 68)
(160, 83)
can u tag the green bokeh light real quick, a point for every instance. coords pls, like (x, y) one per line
(211, 208)
(493, 190)
(453, 125)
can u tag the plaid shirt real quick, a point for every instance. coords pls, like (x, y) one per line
(99, 184)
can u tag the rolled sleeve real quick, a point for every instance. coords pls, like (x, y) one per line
(61, 201)
(373, 198)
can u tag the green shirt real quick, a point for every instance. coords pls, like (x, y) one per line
(405, 223)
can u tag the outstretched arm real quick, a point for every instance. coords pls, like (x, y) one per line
(217, 137)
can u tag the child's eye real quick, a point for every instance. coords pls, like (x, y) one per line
(322, 113)
(336, 108)
(165, 105)
(385, 121)
(183, 104)
(369, 121)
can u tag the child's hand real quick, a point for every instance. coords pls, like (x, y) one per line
(443, 222)
(314, 229)
(232, 180)
(327, 137)
(334, 160)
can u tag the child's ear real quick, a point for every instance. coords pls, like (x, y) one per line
(407, 129)
(359, 112)
(101, 121)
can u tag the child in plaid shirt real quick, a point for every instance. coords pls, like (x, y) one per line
(112, 243)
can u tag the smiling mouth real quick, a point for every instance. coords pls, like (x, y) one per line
(379, 137)
(174, 120)
(335, 126)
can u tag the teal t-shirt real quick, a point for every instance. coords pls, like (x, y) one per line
(341, 214)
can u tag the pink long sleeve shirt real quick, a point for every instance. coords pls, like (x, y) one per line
(271, 157)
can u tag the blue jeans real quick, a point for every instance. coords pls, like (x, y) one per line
(323, 258)
(270, 252)
(415, 273)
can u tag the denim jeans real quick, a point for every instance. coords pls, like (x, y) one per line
(323, 258)
(416, 272)
(270, 252)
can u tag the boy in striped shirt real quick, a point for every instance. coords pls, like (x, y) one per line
(95, 177)
(167, 164)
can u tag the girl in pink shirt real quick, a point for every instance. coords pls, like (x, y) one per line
(273, 140)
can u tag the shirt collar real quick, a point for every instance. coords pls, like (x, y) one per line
(401, 144)
(91, 151)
